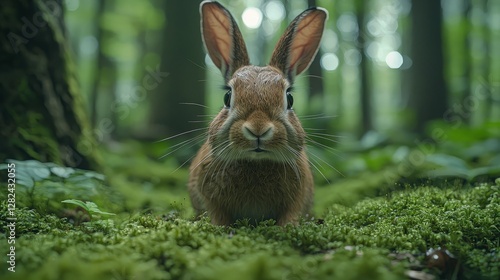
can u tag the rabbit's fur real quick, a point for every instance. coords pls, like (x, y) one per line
(254, 164)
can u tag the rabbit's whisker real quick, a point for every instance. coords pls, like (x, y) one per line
(315, 167)
(292, 163)
(184, 142)
(194, 104)
(318, 117)
(182, 133)
(178, 146)
(324, 161)
(314, 129)
(210, 153)
(313, 76)
(318, 144)
(184, 163)
(329, 149)
(217, 162)
(323, 137)
(328, 135)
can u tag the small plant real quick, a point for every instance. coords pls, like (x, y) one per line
(90, 207)
(42, 185)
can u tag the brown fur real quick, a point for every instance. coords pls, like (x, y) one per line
(229, 177)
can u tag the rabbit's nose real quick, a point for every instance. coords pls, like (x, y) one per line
(252, 133)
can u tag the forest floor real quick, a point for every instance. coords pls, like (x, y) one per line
(364, 227)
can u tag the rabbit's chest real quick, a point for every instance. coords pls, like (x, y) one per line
(256, 189)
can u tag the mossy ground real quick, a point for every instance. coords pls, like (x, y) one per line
(381, 233)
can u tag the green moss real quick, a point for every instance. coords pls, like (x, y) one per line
(356, 242)
(349, 191)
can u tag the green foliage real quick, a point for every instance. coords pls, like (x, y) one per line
(464, 152)
(88, 206)
(42, 186)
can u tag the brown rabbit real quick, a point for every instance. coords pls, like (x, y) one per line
(254, 163)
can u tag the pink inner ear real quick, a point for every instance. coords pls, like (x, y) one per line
(217, 35)
(306, 40)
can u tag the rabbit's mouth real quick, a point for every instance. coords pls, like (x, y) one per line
(259, 150)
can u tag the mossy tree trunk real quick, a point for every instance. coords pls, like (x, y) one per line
(42, 114)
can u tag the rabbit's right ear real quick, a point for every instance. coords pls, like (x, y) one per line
(299, 44)
(222, 38)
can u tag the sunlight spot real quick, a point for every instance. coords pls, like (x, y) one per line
(347, 23)
(373, 49)
(394, 60)
(269, 28)
(330, 41)
(373, 27)
(275, 11)
(252, 17)
(72, 5)
(88, 45)
(329, 61)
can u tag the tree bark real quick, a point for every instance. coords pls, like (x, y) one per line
(42, 114)
(428, 95)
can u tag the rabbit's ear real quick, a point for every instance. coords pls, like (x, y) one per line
(222, 38)
(299, 44)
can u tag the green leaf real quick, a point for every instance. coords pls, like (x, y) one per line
(446, 172)
(89, 206)
(63, 172)
(95, 175)
(38, 173)
(486, 170)
(76, 202)
(94, 209)
(447, 161)
(23, 178)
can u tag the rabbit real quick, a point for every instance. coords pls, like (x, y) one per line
(254, 164)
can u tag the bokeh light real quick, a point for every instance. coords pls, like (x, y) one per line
(72, 5)
(275, 11)
(88, 45)
(252, 17)
(394, 60)
(329, 61)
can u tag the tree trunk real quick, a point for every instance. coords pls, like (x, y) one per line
(183, 59)
(428, 96)
(42, 114)
(364, 87)
(315, 74)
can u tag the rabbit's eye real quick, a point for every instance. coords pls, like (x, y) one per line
(289, 100)
(227, 99)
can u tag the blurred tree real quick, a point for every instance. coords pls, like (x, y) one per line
(104, 71)
(42, 115)
(480, 58)
(315, 74)
(464, 36)
(182, 58)
(427, 91)
(366, 111)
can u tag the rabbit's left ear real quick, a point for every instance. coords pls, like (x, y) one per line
(299, 44)
(222, 38)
